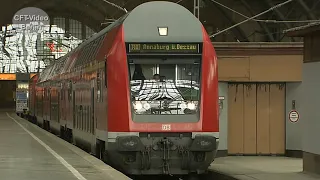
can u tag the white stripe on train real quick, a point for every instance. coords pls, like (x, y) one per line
(111, 136)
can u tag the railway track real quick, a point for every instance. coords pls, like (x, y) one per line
(208, 176)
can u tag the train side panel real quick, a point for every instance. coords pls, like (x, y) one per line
(32, 96)
(209, 90)
(106, 56)
(118, 93)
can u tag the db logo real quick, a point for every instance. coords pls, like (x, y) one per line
(166, 127)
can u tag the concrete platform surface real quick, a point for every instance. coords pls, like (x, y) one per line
(28, 152)
(261, 168)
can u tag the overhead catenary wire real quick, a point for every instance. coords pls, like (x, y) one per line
(264, 20)
(264, 12)
(115, 5)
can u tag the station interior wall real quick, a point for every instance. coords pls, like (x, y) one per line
(310, 108)
(293, 129)
(223, 119)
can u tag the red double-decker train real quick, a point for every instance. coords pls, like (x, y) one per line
(142, 94)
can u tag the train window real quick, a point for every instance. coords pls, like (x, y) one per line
(62, 94)
(80, 93)
(78, 119)
(75, 122)
(89, 115)
(83, 117)
(89, 119)
(100, 85)
(48, 94)
(180, 82)
(105, 72)
(86, 122)
(45, 93)
(61, 91)
(70, 91)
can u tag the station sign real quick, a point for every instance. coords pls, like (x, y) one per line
(294, 116)
(156, 48)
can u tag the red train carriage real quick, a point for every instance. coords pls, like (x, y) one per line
(142, 94)
(32, 98)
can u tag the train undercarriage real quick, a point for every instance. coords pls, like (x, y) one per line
(162, 153)
(175, 154)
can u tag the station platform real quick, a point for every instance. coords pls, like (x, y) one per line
(28, 152)
(261, 168)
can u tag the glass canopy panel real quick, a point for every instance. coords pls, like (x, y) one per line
(23, 51)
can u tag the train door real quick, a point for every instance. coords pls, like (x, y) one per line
(74, 107)
(35, 102)
(45, 103)
(39, 102)
(92, 127)
(42, 97)
(50, 105)
(58, 106)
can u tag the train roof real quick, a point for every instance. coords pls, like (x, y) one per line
(141, 25)
(144, 20)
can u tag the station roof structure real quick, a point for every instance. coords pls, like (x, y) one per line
(216, 15)
(225, 20)
(300, 31)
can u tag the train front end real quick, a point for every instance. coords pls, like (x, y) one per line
(172, 94)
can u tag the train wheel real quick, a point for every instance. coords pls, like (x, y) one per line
(35, 120)
(62, 133)
(68, 135)
(97, 151)
(100, 150)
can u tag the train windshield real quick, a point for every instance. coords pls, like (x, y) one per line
(165, 86)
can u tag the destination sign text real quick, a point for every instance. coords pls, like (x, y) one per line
(163, 48)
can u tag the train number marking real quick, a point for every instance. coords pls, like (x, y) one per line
(166, 127)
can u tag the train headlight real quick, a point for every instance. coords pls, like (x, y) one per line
(191, 106)
(138, 106)
(146, 106)
(183, 106)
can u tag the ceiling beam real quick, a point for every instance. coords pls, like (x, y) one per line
(280, 15)
(82, 17)
(307, 9)
(82, 3)
(237, 31)
(262, 25)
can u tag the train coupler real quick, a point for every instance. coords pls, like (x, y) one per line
(146, 158)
